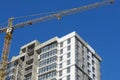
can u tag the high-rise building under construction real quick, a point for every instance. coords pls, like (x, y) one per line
(65, 58)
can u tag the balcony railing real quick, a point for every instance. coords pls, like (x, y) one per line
(29, 57)
(28, 71)
(28, 78)
(30, 52)
(30, 61)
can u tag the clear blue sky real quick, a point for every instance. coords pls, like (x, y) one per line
(99, 27)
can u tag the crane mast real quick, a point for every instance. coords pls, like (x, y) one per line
(10, 27)
(4, 60)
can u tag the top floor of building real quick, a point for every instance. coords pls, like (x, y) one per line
(56, 41)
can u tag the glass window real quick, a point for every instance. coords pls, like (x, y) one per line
(93, 76)
(93, 69)
(89, 78)
(83, 66)
(87, 51)
(68, 41)
(60, 66)
(68, 48)
(60, 73)
(93, 62)
(92, 56)
(68, 62)
(61, 51)
(89, 71)
(61, 58)
(88, 64)
(46, 76)
(83, 59)
(68, 77)
(68, 70)
(88, 57)
(68, 55)
(61, 44)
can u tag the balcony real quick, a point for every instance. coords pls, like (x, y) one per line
(19, 76)
(30, 52)
(28, 62)
(29, 57)
(23, 50)
(11, 71)
(53, 79)
(28, 78)
(30, 49)
(28, 71)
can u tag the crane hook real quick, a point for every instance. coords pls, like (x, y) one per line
(58, 17)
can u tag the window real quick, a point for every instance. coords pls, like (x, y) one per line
(88, 64)
(83, 66)
(83, 59)
(68, 70)
(60, 73)
(68, 55)
(48, 47)
(61, 44)
(68, 62)
(83, 53)
(92, 56)
(89, 78)
(47, 76)
(87, 51)
(77, 47)
(88, 57)
(68, 77)
(68, 48)
(93, 76)
(68, 41)
(61, 58)
(89, 71)
(93, 62)
(93, 69)
(60, 66)
(48, 54)
(47, 68)
(61, 51)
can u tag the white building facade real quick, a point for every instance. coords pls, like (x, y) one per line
(68, 58)
(65, 58)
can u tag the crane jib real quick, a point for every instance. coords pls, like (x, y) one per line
(59, 14)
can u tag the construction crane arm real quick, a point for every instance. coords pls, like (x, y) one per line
(6, 48)
(60, 14)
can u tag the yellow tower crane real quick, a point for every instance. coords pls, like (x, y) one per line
(9, 29)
